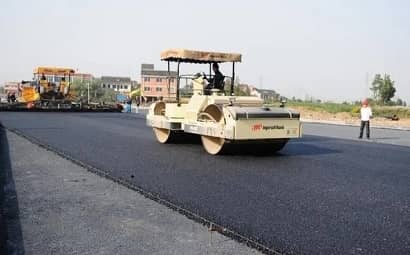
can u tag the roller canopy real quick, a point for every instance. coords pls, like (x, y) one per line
(193, 56)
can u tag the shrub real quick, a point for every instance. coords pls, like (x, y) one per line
(355, 110)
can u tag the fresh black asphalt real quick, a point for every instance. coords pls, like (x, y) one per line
(319, 195)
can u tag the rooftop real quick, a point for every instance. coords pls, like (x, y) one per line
(158, 73)
(115, 79)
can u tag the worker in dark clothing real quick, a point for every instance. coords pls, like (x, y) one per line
(216, 82)
(13, 98)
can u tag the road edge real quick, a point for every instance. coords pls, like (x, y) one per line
(212, 226)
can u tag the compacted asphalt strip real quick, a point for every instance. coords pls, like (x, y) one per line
(52, 206)
(319, 195)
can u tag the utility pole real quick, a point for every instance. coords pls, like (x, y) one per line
(88, 92)
(261, 82)
(366, 89)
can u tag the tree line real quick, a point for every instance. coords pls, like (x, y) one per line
(79, 90)
(383, 90)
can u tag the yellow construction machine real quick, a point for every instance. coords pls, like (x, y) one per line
(50, 91)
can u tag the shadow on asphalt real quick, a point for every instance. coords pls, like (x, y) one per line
(303, 149)
(313, 138)
(309, 145)
(297, 147)
(11, 238)
(186, 138)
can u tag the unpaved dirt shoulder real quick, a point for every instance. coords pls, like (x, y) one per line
(345, 118)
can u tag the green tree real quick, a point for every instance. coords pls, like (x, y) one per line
(108, 96)
(399, 101)
(239, 92)
(383, 88)
(97, 93)
(236, 88)
(78, 89)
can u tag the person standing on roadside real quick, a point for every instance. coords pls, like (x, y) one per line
(365, 115)
(129, 102)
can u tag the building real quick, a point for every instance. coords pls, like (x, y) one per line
(244, 88)
(157, 83)
(116, 83)
(82, 77)
(267, 95)
(11, 87)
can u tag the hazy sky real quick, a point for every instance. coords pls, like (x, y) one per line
(320, 48)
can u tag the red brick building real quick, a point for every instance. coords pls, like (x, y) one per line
(157, 83)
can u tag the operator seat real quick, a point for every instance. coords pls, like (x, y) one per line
(221, 84)
(216, 88)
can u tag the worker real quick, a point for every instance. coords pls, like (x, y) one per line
(43, 84)
(63, 85)
(13, 97)
(216, 82)
(129, 102)
(365, 115)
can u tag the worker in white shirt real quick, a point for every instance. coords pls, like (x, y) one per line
(365, 115)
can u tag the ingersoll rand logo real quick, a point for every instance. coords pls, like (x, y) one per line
(260, 126)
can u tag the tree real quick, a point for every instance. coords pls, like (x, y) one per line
(399, 102)
(78, 89)
(236, 88)
(96, 91)
(97, 94)
(383, 88)
(108, 96)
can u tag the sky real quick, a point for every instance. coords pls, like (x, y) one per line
(325, 49)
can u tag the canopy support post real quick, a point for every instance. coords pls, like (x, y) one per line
(69, 84)
(233, 79)
(178, 83)
(169, 80)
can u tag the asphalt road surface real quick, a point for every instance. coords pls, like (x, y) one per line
(319, 195)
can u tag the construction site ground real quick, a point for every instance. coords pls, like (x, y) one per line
(344, 118)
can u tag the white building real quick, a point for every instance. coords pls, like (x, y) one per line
(119, 84)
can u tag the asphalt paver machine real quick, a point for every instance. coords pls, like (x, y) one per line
(222, 120)
(50, 91)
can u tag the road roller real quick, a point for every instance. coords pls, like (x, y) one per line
(223, 120)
